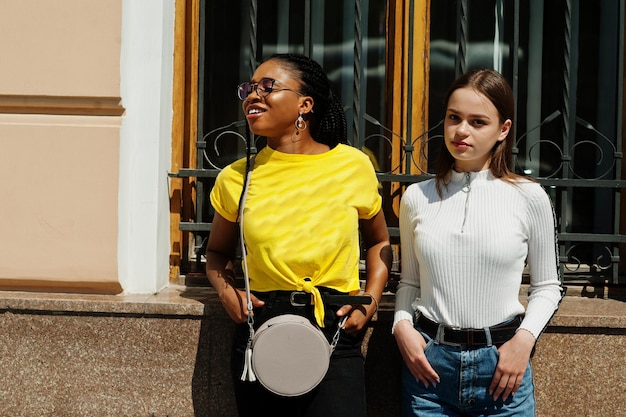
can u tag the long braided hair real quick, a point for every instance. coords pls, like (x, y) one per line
(327, 122)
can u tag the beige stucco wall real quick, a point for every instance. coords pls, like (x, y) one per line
(60, 47)
(60, 117)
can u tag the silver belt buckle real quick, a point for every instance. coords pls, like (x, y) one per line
(293, 301)
(442, 336)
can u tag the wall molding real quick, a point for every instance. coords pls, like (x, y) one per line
(61, 105)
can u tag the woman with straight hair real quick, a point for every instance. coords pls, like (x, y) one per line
(466, 236)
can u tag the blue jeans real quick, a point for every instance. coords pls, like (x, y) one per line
(465, 378)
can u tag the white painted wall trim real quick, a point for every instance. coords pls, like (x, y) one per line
(145, 144)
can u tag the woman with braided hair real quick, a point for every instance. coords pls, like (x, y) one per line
(308, 197)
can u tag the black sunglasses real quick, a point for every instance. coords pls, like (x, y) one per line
(263, 88)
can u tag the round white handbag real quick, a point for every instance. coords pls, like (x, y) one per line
(290, 356)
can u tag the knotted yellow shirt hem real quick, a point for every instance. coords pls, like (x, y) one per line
(307, 286)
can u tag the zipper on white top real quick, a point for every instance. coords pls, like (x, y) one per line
(467, 187)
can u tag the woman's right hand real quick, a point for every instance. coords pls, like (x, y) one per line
(220, 270)
(234, 302)
(411, 344)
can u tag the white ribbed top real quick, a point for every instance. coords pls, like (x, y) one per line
(463, 255)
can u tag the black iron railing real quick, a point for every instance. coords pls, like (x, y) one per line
(588, 252)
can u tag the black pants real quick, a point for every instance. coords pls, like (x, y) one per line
(342, 391)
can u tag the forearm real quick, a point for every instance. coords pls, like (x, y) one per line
(220, 254)
(378, 255)
(541, 307)
(221, 274)
(220, 271)
(378, 264)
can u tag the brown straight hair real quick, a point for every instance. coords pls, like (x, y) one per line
(495, 87)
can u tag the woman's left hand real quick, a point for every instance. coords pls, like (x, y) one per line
(358, 316)
(512, 363)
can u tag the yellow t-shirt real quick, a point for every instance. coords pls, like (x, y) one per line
(301, 217)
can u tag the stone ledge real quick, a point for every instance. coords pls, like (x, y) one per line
(175, 300)
(577, 310)
(590, 312)
(167, 354)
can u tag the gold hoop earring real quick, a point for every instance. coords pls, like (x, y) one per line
(300, 123)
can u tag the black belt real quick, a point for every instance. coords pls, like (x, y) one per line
(471, 338)
(301, 298)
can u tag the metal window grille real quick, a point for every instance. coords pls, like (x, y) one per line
(570, 157)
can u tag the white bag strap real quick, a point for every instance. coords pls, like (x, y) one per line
(248, 372)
